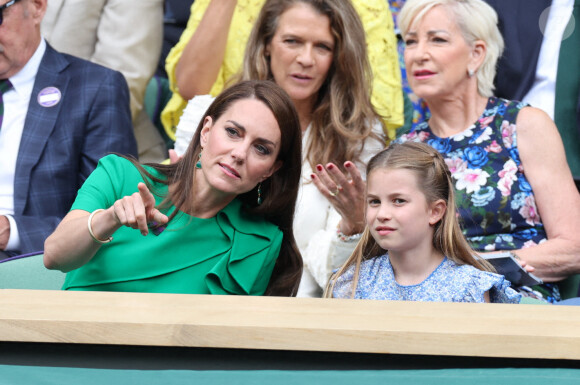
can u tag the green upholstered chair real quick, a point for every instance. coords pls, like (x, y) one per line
(28, 272)
(570, 287)
(157, 94)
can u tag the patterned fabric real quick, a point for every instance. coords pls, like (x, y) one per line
(449, 282)
(496, 203)
(5, 86)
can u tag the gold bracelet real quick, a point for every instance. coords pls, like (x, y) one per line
(91, 229)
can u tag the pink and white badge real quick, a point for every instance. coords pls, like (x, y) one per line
(49, 97)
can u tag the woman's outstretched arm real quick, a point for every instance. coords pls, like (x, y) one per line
(71, 245)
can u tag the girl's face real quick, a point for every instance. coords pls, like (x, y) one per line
(240, 148)
(301, 52)
(397, 214)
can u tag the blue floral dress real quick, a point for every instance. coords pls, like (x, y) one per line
(449, 282)
(496, 203)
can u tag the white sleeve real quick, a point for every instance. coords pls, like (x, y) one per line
(324, 252)
(192, 115)
(371, 147)
(14, 238)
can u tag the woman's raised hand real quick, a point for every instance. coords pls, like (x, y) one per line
(138, 210)
(345, 192)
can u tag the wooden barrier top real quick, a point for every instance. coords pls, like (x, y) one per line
(304, 324)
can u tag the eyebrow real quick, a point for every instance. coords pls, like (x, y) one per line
(242, 128)
(292, 35)
(431, 32)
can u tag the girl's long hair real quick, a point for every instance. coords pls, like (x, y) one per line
(279, 191)
(343, 115)
(435, 182)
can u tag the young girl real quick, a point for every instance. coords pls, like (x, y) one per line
(411, 213)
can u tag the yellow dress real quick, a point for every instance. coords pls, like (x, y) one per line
(387, 94)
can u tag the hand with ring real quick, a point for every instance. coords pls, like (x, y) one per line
(345, 191)
(335, 192)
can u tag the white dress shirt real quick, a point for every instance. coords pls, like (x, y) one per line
(543, 92)
(15, 110)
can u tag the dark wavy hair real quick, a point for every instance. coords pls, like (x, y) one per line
(279, 191)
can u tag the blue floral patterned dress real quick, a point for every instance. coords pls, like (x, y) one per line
(449, 282)
(496, 203)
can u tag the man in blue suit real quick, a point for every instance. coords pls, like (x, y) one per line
(61, 115)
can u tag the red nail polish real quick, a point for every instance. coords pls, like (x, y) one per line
(330, 166)
(312, 176)
(319, 167)
(347, 164)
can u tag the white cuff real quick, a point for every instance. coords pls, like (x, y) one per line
(14, 239)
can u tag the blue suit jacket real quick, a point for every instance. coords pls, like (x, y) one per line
(519, 25)
(61, 145)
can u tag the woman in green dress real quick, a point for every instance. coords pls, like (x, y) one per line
(219, 221)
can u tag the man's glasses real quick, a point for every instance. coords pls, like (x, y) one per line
(3, 7)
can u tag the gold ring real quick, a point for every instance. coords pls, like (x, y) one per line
(335, 193)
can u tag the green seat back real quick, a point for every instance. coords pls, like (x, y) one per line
(29, 273)
(569, 288)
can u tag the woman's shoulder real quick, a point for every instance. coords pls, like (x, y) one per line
(243, 221)
(476, 283)
(506, 109)
(122, 169)
(116, 164)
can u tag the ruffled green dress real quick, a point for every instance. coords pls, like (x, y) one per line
(231, 253)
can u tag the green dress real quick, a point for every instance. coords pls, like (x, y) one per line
(231, 253)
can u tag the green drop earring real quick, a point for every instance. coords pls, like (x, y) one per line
(259, 200)
(198, 164)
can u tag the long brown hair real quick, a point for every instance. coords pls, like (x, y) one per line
(343, 115)
(435, 183)
(279, 191)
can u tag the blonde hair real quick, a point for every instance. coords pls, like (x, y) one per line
(476, 19)
(343, 115)
(435, 183)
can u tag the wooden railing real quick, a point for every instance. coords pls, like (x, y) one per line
(476, 330)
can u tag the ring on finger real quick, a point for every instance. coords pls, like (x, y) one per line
(335, 192)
